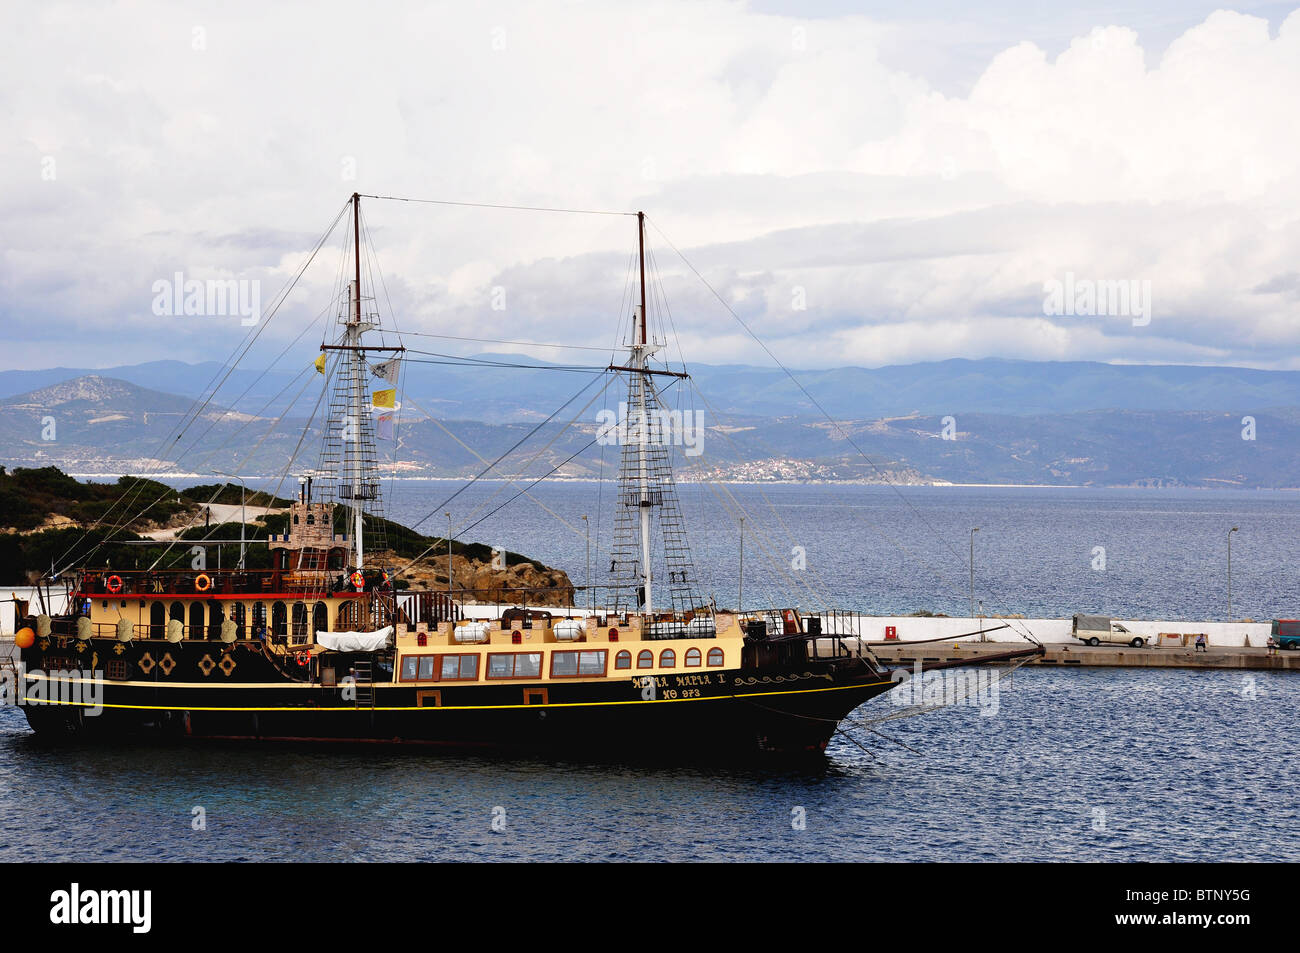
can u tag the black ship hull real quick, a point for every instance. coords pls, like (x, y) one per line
(774, 710)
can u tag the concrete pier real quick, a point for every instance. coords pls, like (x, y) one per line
(1121, 656)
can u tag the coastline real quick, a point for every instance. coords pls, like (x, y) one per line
(208, 478)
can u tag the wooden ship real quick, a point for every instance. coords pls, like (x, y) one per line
(324, 647)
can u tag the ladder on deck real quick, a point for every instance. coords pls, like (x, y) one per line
(365, 687)
(8, 656)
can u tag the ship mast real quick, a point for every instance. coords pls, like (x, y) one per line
(648, 503)
(357, 359)
(640, 351)
(349, 454)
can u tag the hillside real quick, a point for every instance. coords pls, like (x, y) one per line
(988, 386)
(1013, 422)
(49, 518)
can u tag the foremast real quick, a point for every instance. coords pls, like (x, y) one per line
(349, 460)
(357, 360)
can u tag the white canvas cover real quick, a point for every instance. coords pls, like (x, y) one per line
(355, 641)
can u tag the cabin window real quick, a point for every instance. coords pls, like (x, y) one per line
(667, 659)
(115, 669)
(279, 619)
(259, 620)
(692, 659)
(177, 612)
(311, 519)
(578, 664)
(157, 620)
(623, 659)
(514, 665)
(196, 620)
(459, 667)
(418, 668)
(336, 559)
(299, 620)
(238, 615)
(319, 618)
(716, 657)
(645, 659)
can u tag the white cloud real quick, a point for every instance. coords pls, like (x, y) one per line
(921, 224)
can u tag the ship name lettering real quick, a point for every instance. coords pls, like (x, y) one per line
(694, 679)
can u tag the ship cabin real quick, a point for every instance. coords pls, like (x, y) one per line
(309, 588)
(536, 647)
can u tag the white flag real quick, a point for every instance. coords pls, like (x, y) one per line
(384, 427)
(388, 370)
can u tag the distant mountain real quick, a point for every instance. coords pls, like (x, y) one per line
(497, 394)
(94, 424)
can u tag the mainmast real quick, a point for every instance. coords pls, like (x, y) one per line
(646, 488)
(640, 352)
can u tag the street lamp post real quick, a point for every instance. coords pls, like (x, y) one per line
(591, 597)
(1230, 532)
(450, 594)
(972, 570)
(740, 596)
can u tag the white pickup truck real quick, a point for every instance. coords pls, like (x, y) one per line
(1095, 629)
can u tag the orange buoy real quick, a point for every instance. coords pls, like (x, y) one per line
(203, 582)
(24, 638)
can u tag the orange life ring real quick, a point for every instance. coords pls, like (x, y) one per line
(113, 584)
(358, 580)
(203, 583)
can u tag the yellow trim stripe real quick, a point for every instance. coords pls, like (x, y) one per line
(303, 708)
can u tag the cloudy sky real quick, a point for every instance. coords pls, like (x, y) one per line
(866, 184)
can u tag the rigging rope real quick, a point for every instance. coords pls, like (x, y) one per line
(517, 208)
(1026, 634)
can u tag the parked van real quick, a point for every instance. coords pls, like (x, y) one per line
(1095, 629)
(1286, 633)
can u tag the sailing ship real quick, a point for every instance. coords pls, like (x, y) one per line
(324, 646)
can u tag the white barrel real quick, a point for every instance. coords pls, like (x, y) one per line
(470, 633)
(569, 630)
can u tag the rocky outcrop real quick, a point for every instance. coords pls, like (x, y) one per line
(481, 581)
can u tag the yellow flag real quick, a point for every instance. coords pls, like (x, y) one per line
(384, 398)
(320, 364)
